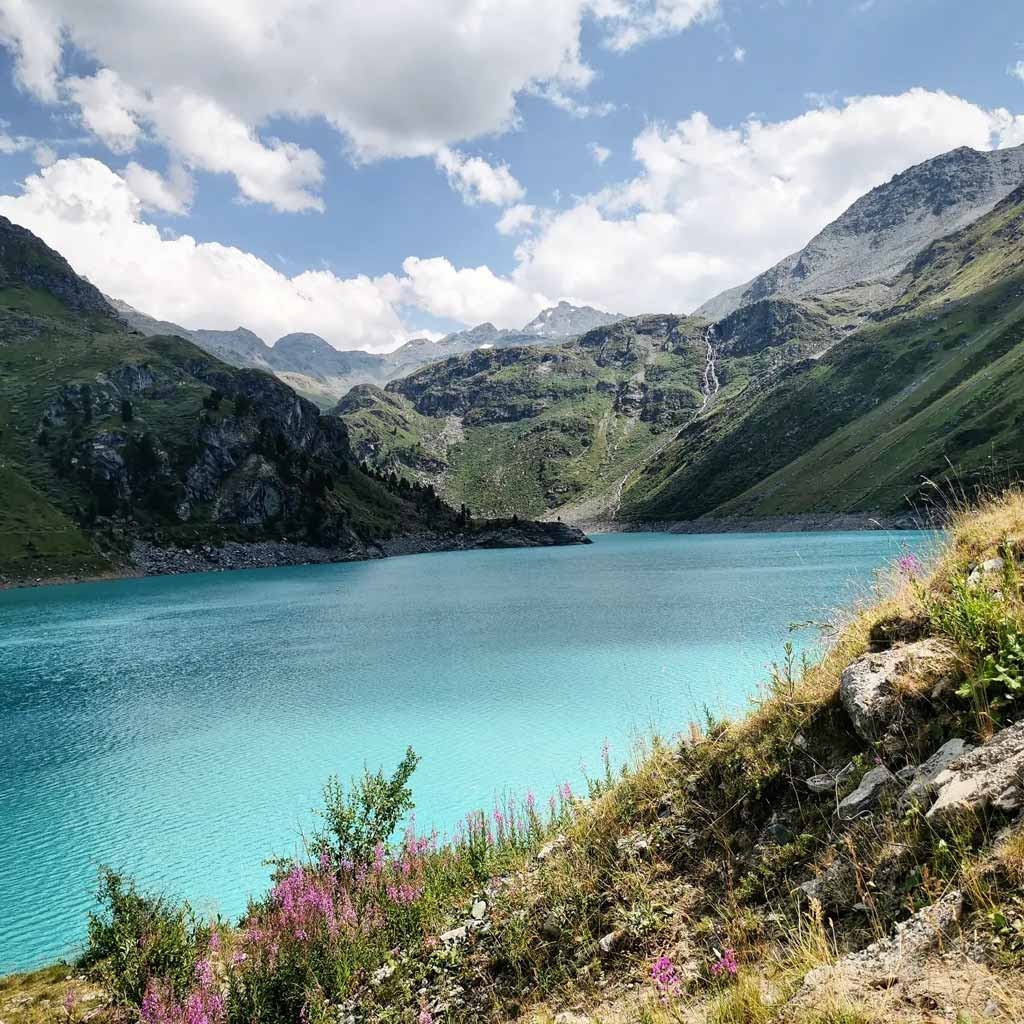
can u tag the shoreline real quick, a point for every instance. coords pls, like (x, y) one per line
(810, 522)
(149, 560)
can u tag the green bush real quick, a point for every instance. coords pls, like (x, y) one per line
(367, 815)
(135, 937)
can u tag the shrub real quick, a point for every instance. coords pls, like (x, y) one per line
(135, 939)
(366, 817)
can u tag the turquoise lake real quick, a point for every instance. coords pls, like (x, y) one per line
(180, 728)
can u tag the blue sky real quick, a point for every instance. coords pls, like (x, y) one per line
(190, 162)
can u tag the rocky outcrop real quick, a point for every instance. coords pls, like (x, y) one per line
(506, 534)
(989, 776)
(869, 686)
(882, 965)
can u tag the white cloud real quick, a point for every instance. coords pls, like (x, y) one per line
(712, 207)
(110, 108)
(477, 181)
(1017, 70)
(468, 294)
(33, 34)
(599, 153)
(633, 22)
(90, 215)
(172, 194)
(204, 78)
(516, 218)
(739, 55)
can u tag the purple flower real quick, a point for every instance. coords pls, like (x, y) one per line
(726, 964)
(909, 564)
(666, 981)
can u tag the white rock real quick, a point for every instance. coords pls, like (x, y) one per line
(987, 776)
(868, 685)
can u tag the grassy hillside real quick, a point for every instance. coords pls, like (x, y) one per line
(538, 430)
(116, 447)
(850, 852)
(930, 389)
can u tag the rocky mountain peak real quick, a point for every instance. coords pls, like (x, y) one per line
(885, 229)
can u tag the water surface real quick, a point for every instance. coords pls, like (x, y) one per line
(180, 728)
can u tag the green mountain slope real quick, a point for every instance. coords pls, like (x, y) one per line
(544, 430)
(117, 448)
(933, 387)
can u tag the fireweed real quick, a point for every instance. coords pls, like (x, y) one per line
(329, 923)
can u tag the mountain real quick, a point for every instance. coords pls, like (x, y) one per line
(881, 232)
(565, 321)
(126, 452)
(322, 373)
(931, 389)
(539, 429)
(838, 402)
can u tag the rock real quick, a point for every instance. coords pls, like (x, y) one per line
(551, 929)
(778, 832)
(987, 776)
(551, 847)
(568, 1017)
(479, 910)
(635, 846)
(868, 686)
(868, 792)
(828, 781)
(613, 940)
(990, 567)
(922, 783)
(881, 963)
(454, 936)
(897, 629)
(836, 886)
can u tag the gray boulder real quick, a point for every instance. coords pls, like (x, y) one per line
(868, 688)
(987, 776)
(870, 790)
(990, 567)
(922, 784)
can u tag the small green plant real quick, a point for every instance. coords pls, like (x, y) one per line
(366, 816)
(135, 938)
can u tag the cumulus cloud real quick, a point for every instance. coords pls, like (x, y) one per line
(205, 78)
(110, 108)
(172, 194)
(91, 215)
(599, 153)
(1017, 70)
(739, 54)
(712, 207)
(468, 294)
(516, 218)
(477, 181)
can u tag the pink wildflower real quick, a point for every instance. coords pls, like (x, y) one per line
(726, 964)
(909, 564)
(666, 981)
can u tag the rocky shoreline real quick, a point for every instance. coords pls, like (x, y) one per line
(148, 559)
(803, 523)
